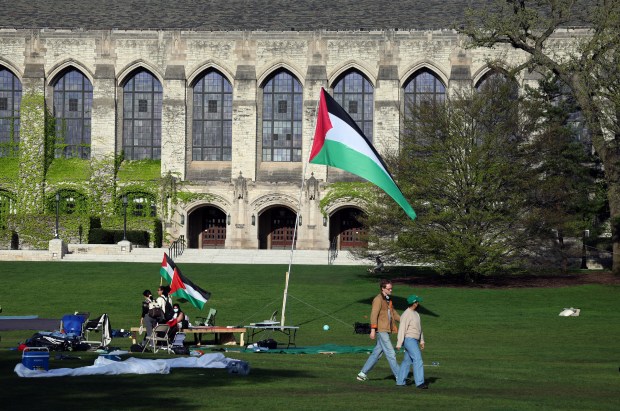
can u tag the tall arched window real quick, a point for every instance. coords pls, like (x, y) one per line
(73, 97)
(10, 99)
(212, 119)
(355, 93)
(282, 118)
(423, 87)
(142, 98)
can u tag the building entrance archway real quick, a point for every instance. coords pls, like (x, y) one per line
(276, 228)
(207, 228)
(346, 231)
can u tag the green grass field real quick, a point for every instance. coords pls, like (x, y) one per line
(496, 349)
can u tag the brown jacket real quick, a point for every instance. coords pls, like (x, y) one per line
(379, 315)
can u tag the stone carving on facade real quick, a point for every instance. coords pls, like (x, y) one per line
(312, 188)
(274, 199)
(339, 203)
(210, 199)
(241, 187)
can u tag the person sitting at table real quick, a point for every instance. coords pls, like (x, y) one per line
(178, 321)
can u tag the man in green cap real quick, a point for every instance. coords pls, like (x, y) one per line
(410, 336)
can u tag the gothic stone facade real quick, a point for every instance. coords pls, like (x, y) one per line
(244, 189)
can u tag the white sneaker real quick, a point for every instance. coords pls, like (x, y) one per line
(361, 376)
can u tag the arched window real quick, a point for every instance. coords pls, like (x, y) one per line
(142, 98)
(423, 87)
(494, 79)
(69, 202)
(212, 119)
(282, 118)
(10, 99)
(355, 93)
(140, 204)
(73, 97)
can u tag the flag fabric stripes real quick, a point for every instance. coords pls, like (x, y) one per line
(339, 142)
(180, 286)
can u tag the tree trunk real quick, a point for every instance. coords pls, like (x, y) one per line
(613, 197)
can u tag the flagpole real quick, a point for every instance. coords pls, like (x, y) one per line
(301, 191)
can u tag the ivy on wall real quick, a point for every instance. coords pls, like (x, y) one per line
(32, 154)
(348, 191)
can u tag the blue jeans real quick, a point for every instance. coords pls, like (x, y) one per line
(384, 345)
(413, 355)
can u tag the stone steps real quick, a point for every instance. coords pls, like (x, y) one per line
(113, 253)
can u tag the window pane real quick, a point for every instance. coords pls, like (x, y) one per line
(212, 123)
(282, 109)
(142, 97)
(10, 98)
(73, 94)
(355, 94)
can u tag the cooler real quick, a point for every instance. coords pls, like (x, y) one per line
(36, 358)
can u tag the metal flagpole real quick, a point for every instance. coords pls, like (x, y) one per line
(301, 190)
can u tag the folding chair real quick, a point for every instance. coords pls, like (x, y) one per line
(159, 335)
(101, 325)
(209, 320)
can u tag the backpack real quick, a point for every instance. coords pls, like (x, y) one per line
(155, 311)
(169, 312)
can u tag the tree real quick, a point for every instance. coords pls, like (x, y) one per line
(591, 69)
(493, 178)
(461, 164)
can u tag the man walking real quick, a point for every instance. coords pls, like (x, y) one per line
(382, 325)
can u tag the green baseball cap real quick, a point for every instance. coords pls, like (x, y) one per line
(414, 299)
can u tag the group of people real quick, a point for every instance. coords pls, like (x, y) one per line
(161, 310)
(383, 319)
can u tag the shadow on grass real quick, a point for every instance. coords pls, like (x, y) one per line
(127, 390)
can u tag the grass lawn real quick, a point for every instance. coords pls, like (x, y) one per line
(496, 349)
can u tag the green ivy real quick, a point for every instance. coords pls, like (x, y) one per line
(139, 170)
(187, 197)
(9, 170)
(32, 153)
(68, 169)
(347, 191)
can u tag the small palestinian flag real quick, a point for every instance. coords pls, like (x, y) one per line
(180, 286)
(339, 142)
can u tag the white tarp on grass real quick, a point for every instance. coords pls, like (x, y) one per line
(104, 366)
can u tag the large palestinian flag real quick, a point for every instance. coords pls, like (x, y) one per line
(339, 142)
(180, 286)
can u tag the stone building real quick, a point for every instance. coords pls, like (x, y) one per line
(222, 96)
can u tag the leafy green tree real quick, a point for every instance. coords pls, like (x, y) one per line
(461, 165)
(591, 68)
(492, 178)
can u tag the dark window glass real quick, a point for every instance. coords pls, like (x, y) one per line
(423, 87)
(212, 122)
(73, 96)
(355, 93)
(212, 106)
(10, 99)
(140, 205)
(282, 118)
(142, 99)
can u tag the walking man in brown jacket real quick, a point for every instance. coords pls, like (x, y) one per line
(382, 325)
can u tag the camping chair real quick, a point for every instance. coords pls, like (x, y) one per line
(209, 320)
(159, 335)
(97, 325)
